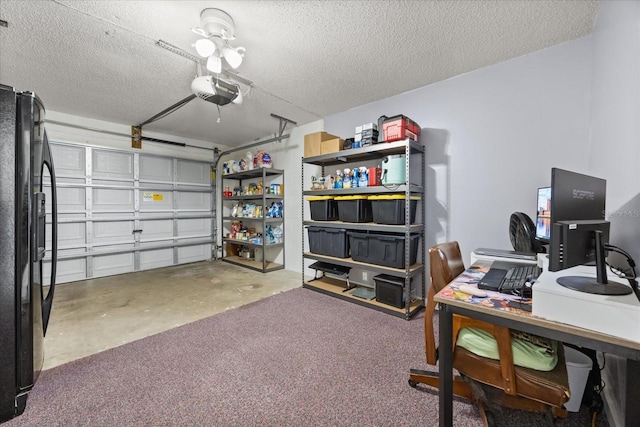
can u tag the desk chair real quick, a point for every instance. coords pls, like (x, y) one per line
(508, 385)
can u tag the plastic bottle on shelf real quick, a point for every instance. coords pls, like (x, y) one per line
(346, 180)
(363, 179)
(337, 182)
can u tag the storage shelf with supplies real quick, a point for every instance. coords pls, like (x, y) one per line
(392, 279)
(255, 238)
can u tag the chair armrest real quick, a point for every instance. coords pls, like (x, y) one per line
(502, 335)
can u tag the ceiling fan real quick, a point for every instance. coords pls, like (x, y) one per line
(217, 28)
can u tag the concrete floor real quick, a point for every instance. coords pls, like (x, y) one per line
(94, 315)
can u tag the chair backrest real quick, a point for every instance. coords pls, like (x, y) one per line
(445, 264)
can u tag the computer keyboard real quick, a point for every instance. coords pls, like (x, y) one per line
(511, 281)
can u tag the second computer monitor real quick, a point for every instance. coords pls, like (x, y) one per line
(543, 215)
(575, 196)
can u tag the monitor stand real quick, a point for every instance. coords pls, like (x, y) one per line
(599, 285)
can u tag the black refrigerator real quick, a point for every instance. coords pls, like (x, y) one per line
(26, 169)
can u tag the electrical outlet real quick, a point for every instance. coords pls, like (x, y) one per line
(364, 276)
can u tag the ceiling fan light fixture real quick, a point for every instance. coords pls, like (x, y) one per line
(217, 28)
(233, 56)
(214, 64)
(216, 22)
(205, 47)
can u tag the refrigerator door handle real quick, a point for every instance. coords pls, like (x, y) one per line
(48, 300)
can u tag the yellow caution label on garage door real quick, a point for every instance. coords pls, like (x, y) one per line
(151, 197)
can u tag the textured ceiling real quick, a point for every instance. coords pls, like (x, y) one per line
(306, 59)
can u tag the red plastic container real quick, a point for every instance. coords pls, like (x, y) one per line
(400, 127)
(374, 176)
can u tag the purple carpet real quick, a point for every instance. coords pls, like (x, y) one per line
(298, 358)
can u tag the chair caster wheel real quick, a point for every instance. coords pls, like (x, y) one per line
(412, 383)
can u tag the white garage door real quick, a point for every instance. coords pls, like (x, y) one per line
(120, 211)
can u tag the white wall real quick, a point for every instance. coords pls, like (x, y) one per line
(616, 154)
(492, 137)
(615, 118)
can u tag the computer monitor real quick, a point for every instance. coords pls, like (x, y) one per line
(575, 196)
(543, 215)
(579, 232)
(582, 242)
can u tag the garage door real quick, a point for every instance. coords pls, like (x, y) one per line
(120, 211)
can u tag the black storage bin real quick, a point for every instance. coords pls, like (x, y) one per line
(383, 249)
(323, 208)
(389, 209)
(354, 209)
(359, 245)
(389, 290)
(329, 241)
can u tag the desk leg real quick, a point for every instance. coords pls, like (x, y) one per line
(445, 351)
(632, 409)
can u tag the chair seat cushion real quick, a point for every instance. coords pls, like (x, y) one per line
(550, 387)
(525, 353)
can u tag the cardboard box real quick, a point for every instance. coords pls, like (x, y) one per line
(313, 141)
(331, 145)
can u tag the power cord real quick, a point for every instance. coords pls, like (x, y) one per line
(628, 274)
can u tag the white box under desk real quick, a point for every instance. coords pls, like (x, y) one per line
(617, 315)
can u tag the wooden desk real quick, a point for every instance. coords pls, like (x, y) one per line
(522, 320)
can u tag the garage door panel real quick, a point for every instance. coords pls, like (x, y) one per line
(112, 183)
(69, 199)
(67, 270)
(69, 234)
(65, 181)
(194, 253)
(157, 187)
(154, 168)
(112, 164)
(106, 216)
(193, 172)
(153, 216)
(193, 201)
(156, 200)
(112, 200)
(68, 217)
(197, 227)
(113, 232)
(156, 258)
(107, 265)
(122, 211)
(69, 160)
(156, 229)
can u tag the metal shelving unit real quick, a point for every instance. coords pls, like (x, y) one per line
(267, 263)
(413, 275)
